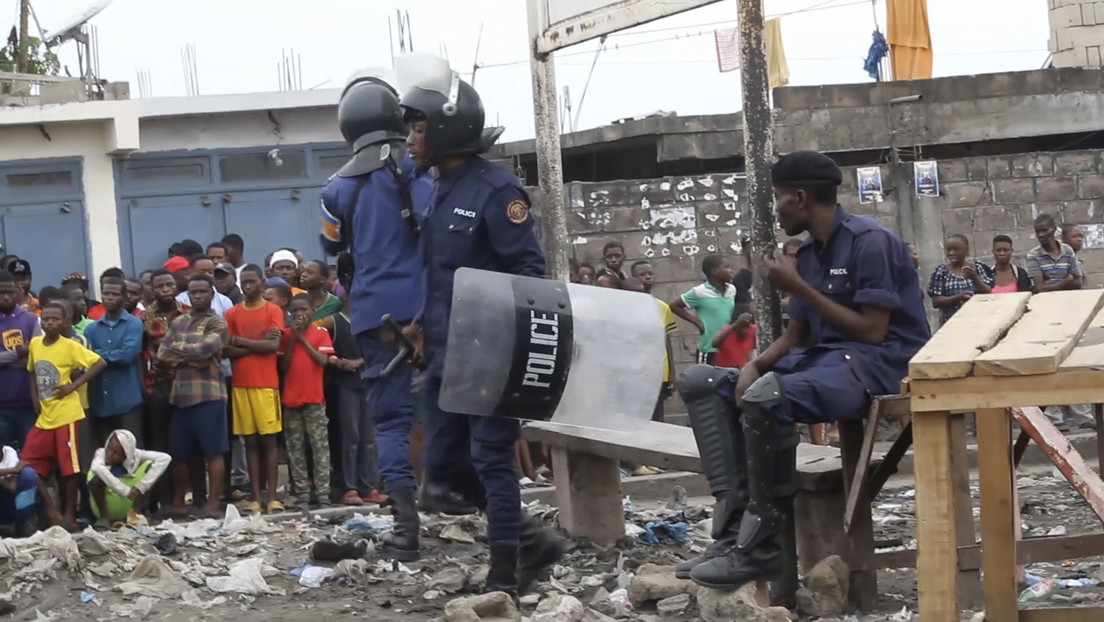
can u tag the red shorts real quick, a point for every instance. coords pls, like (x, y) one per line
(46, 449)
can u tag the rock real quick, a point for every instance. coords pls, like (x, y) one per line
(648, 587)
(827, 586)
(529, 599)
(654, 569)
(674, 606)
(456, 533)
(745, 604)
(492, 607)
(559, 608)
(591, 615)
(449, 580)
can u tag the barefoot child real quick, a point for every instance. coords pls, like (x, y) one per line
(52, 443)
(121, 476)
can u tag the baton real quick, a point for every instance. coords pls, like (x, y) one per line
(406, 348)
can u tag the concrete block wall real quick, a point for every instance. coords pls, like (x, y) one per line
(1076, 32)
(674, 222)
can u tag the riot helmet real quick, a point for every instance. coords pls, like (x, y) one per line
(451, 108)
(368, 114)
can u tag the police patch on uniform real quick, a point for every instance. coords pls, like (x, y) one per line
(517, 212)
(331, 225)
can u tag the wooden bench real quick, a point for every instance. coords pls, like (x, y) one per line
(586, 465)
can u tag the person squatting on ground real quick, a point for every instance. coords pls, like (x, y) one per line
(366, 215)
(121, 477)
(472, 455)
(856, 318)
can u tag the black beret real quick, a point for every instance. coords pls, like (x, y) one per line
(805, 168)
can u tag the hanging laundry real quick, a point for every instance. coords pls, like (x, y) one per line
(728, 49)
(878, 50)
(910, 50)
(778, 72)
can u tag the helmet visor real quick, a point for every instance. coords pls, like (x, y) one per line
(375, 74)
(428, 73)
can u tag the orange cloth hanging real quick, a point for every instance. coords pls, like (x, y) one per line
(910, 49)
(778, 71)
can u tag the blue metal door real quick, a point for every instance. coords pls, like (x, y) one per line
(158, 222)
(274, 219)
(50, 236)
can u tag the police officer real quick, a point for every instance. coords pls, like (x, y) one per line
(366, 208)
(479, 218)
(856, 318)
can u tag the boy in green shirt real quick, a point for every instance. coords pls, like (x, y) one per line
(712, 303)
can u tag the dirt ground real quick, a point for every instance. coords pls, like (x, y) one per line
(1049, 504)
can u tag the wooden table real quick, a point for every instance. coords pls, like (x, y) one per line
(1000, 351)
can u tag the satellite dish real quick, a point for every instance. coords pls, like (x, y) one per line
(58, 35)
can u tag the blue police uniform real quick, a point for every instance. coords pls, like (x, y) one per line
(833, 376)
(479, 218)
(388, 280)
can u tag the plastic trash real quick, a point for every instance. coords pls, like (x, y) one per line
(363, 526)
(314, 576)
(656, 530)
(1042, 590)
(633, 530)
(627, 504)
(1074, 583)
(86, 596)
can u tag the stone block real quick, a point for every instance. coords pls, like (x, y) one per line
(958, 220)
(653, 586)
(967, 193)
(624, 219)
(998, 167)
(1074, 162)
(1092, 263)
(1032, 165)
(1079, 212)
(655, 191)
(1056, 188)
(588, 248)
(729, 239)
(724, 213)
(584, 221)
(1092, 56)
(1023, 240)
(950, 170)
(588, 493)
(996, 218)
(1013, 191)
(1066, 16)
(1090, 186)
(977, 168)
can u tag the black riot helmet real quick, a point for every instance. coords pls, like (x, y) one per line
(369, 114)
(454, 118)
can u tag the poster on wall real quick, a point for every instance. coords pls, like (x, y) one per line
(927, 178)
(870, 184)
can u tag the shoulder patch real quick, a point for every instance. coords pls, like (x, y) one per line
(517, 211)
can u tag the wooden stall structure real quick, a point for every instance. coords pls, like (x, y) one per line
(1001, 356)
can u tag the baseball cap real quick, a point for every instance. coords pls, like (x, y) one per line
(225, 267)
(20, 267)
(175, 264)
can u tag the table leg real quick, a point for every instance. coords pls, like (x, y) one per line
(936, 547)
(970, 594)
(998, 529)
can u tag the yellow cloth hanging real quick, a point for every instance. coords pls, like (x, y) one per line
(778, 72)
(910, 49)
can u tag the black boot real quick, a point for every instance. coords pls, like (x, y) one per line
(720, 440)
(502, 577)
(540, 548)
(771, 448)
(442, 499)
(401, 542)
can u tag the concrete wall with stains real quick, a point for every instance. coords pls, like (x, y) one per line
(675, 222)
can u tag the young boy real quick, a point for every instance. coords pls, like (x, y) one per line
(18, 490)
(121, 477)
(279, 294)
(638, 284)
(53, 442)
(712, 302)
(255, 328)
(735, 341)
(306, 350)
(613, 256)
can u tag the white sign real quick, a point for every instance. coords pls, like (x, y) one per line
(564, 23)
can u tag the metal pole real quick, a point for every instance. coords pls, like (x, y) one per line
(549, 158)
(758, 155)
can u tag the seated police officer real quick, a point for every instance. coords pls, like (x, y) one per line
(478, 218)
(856, 318)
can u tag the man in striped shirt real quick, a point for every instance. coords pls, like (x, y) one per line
(1052, 265)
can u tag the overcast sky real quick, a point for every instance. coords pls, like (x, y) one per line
(665, 65)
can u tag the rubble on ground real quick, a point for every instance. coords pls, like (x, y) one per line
(299, 565)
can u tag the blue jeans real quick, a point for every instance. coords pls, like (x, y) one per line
(389, 406)
(15, 423)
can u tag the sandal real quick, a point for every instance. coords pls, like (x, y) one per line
(275, 507)
(352, 498)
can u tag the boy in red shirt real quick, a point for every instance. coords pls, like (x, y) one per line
(255, 326)
(735, 341)
(305, 352)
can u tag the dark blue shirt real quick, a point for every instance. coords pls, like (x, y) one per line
(479, 218)
(863, 263)
(118, 389)
(388, 277)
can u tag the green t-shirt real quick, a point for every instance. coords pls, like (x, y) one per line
(714, 309)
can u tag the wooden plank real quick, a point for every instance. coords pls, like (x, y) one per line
(588, 494)
(1060, 614)
(937, 557)
(857, 481)
(673, 447)
(1028, 551)
(892, 459)
(978, 392)
(859, 526)
(975, 328)
(970, 594)
(1069, 462)
(1088, 353)
(998, 529)
(1044, 336)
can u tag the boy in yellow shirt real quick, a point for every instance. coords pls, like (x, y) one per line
(52, 442)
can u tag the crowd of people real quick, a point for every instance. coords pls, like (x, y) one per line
(202, 363)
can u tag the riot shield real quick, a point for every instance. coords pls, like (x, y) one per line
(543, 350)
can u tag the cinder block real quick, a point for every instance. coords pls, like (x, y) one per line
(950, 170)
(977, 168)
(1056, 188)
(997, 218)
(1066, 16)
(1090, 186)
(1012, 191)
(1092, 56)
(958, 220)
(1033, 165)
(999, 167)
(1088, 14)
(967, 193)
(1080, 212)
(1073, 162)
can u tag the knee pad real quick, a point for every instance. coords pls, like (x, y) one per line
(716, 430)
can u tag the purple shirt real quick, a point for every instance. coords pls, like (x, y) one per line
(16, 329)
